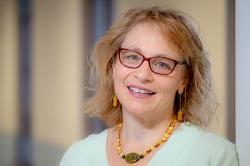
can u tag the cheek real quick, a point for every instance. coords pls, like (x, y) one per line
(120, 72)
(119, 76)
(116, 73)
(168, 87)
(115, 79)
(173, 83)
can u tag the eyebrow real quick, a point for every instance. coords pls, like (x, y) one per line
(139, 50)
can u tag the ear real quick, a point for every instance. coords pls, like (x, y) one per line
(183, 83)
(181, 89)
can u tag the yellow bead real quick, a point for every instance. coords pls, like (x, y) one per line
(169, 132)
(164, 139)
(157, 145)
(180, 116)
(166, 135)
(152, 148)
(160, 142)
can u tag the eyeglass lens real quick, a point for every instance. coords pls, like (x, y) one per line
(159, 65)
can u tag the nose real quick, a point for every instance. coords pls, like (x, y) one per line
(144, 73)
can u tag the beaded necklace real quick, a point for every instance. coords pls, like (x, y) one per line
(133, 157)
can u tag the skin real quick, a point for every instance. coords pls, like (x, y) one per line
(145, 117)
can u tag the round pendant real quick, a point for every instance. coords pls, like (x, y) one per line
(132, 157)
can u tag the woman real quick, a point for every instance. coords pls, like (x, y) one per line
(154, 90)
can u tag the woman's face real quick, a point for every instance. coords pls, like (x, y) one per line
(139, 90)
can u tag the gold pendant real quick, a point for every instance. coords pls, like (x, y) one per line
(132, 157)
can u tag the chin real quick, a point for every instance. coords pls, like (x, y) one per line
(138, 110)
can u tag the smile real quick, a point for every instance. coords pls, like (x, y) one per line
(140, 91)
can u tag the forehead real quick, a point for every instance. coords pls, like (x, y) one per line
(150, 39)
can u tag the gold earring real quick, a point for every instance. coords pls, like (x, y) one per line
(180, 112)
(114, 101)
(180, 116)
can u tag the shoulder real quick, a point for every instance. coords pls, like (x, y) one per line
(200, 135)
(78, 152)
(216, 149)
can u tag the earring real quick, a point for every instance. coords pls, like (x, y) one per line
(180, 112)
(114, 101)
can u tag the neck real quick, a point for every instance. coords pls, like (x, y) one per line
(144, 129)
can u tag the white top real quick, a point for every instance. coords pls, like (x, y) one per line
(188, 146)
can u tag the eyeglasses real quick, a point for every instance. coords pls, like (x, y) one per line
(159, 65)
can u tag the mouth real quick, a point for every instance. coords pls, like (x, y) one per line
(140, 91)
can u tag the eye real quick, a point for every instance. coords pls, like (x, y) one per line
(162, 65)
(132, 57)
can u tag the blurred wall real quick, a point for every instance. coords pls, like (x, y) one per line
(57, 77)
(8, 81)
(211, 17)
(8, 67)
(57, 69)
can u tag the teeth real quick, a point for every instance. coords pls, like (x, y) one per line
(137, 90)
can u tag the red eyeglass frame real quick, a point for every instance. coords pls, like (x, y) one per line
(148, 59)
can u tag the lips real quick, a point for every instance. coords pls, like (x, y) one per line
(140, 91)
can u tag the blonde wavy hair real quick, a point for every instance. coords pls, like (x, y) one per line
(197, 102)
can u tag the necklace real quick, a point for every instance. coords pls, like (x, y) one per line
(133, 157)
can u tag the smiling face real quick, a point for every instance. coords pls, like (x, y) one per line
(139, 90)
